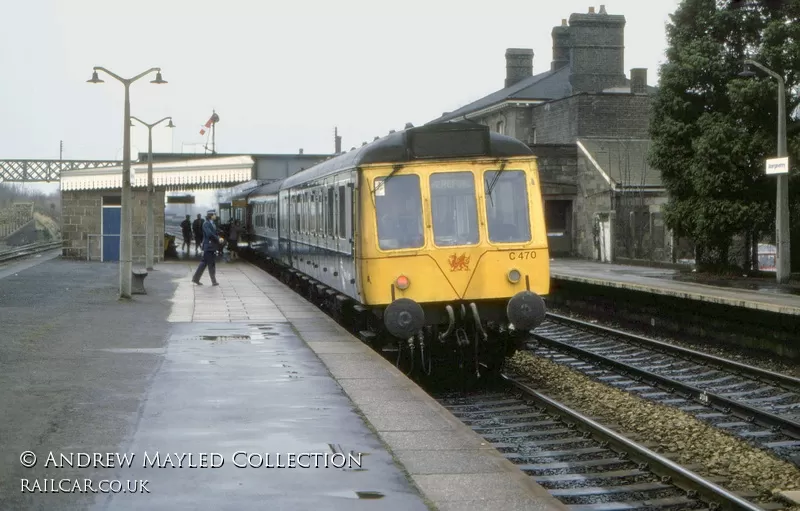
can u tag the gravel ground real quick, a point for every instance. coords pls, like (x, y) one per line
(732, 352)
(695, 442)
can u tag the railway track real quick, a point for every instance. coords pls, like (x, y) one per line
(587, 466)
(26, 250)
(756, 405)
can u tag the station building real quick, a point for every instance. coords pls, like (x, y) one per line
(91, 198)
(588, 124)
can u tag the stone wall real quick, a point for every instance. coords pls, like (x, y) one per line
(594, 196)
(81, 214)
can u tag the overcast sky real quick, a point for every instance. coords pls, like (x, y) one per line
(280, 75)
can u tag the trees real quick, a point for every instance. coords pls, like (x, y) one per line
(711, 130)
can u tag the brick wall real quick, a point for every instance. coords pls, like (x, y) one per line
(591, 115)
(613, 115)
(81, 213)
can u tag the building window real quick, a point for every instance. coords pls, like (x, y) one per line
(501, 127)
(533, 135)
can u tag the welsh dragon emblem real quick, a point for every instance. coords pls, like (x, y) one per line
(459, 262)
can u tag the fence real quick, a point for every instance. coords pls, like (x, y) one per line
(15, 217)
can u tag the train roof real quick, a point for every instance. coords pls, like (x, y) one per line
(440, 140)
(271, 188)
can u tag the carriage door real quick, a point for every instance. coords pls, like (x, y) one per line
(110, 227)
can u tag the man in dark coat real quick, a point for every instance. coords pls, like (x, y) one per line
(197, 227)
(186, 228)
(211, 244)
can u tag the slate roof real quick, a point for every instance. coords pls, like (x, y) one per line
(624, 161)
(544, 86)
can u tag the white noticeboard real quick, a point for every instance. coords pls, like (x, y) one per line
(778, 165)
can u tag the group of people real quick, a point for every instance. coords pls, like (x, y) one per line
(207, 237)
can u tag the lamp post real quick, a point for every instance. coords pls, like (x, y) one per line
(126, 237)
(149, 244)
(782, 256)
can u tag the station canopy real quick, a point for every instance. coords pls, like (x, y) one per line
(189, 174)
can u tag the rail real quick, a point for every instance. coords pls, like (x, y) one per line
(677, 475)
(705, 396)
(779, 379)
(30, 249)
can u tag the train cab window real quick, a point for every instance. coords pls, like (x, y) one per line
(398, 207)
(506, 197)
(454, 209)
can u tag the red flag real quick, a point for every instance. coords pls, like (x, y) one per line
(213, 119)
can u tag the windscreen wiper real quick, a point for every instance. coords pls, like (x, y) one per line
(494, 180)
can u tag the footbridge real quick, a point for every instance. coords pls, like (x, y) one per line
(45, 171)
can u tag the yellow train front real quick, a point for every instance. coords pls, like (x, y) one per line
(453, 246)
(431, 239)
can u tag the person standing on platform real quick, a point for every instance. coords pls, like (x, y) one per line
(186, 228)
(197, 227)
(233, 239)
(210, 246)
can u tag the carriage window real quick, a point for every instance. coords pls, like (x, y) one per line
(330, 212)
(454, 209)
(507, 206)
(296, 208)
(312, 213)
(398, 207)
(342, 214)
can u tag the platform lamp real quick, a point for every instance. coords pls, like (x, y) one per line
(782, 256)
(126, 233)
(151, 192)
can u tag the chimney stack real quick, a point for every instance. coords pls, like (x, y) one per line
(639, 80)
(603, 9)
(337, 140)
(597, 52)
(591, 10)
(301, 150)
(560, 46)
(519, 65)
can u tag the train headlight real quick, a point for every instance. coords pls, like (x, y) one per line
(402, 282)
(514, 276)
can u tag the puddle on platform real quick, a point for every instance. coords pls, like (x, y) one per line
(215, 338)
(357, 494)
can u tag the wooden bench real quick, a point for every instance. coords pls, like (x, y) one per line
(137, 282)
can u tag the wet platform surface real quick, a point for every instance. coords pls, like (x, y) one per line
(663, 282)
(249, 395)
(245, 367)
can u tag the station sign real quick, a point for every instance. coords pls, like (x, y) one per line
(778, 165)
(180, 199)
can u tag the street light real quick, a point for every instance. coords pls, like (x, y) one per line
(149, 245)
(126, 237)
(782, 261)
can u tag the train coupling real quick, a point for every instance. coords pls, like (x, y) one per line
(526, 310)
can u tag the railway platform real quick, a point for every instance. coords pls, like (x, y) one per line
(665, 282)
(214, 393)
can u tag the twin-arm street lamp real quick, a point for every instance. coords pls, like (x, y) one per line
(782, 260)
(149, 243)
(126, 237)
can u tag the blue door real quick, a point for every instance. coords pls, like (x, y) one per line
(111, 229)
